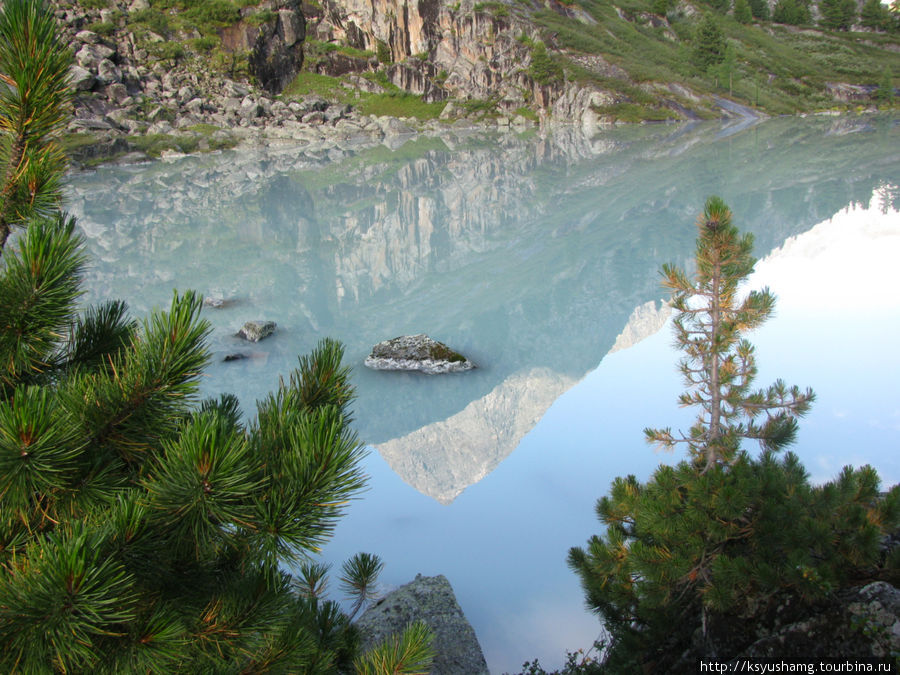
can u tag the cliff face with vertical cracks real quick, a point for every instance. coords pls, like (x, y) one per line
(461, 52)
(277, 53)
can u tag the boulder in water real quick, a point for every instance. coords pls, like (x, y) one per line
(416, 352)
(254, 331)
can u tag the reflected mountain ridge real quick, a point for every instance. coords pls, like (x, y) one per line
(529, 254)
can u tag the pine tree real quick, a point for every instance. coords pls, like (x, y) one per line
(719, 365)
(742, 12)
(34, 108)
(791, 12)
(709, 546)
(875, 15)
(837, 14)
(760, 9)
(142, 530)
(709, 43)
(885, 92)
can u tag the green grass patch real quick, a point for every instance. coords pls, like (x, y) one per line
(782, 68)
(72, 143)
(497, 9)
(261, 17)
(307, 83)
(632, 112)
(399, 104)
(527, 113)
(104, 28)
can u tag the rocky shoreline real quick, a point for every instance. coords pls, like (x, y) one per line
(129, 105)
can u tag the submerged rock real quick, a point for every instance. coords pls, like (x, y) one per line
(428, 599)
(254, 331)
(416, 352)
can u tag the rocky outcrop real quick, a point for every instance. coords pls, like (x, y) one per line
(254, 331)
(460, 52)
(277, 53)
(861, 622)
(428, 599)
(419, 353)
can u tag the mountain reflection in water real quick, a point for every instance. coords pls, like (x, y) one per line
(536, 256)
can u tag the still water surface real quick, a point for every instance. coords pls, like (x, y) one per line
(538, 257)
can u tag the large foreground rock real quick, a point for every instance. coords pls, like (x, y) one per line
(416, 352)
(428, 599)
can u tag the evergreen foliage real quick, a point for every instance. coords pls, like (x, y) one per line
(719, 364)
(34, 108)
(142, 530)
(885, 92)
(719, 540)
(791, 12)
(875, 15)
(709, 43)
(759, 9)
(543, 68)
(742, 11)
(837, 14)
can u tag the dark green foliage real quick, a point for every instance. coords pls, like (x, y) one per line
(792, 12)
(139, 530)
(759, 9)
(142, 530)
(719, 540)
(709, 43)
(742, 11)
(875, 15)
(220, 12)
(661, 7)
(383, 52)
(543, 68)
(885, 92)
(34, 104)
(837, 14)
(728, 545)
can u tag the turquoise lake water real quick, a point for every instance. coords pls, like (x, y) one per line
(538, 257)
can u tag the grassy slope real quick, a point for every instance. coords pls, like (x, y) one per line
(780, 69)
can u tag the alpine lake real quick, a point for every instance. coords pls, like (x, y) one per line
(536, 255)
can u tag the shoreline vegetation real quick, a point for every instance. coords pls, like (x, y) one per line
(178, 76)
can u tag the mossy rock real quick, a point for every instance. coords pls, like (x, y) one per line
(417, 353)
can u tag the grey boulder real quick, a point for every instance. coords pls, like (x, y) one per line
(419, 353)
(431, 600)
(254, 331)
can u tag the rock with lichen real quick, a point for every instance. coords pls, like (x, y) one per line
(419, 353)
(431, 600)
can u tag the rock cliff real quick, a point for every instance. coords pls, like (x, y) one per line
(214, 76)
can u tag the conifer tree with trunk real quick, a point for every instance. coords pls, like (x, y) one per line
(719, 365)
(693, 562)
(141, 529)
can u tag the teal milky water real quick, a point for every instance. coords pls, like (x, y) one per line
(538, 257)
